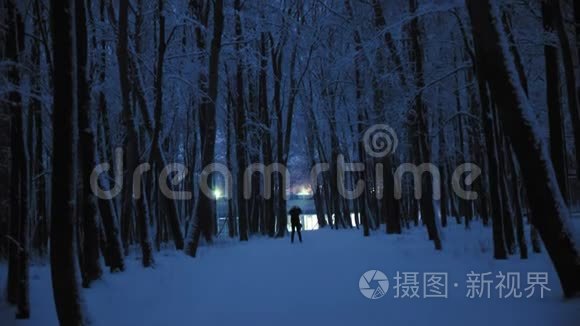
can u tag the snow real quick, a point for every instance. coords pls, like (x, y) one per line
(273, 282)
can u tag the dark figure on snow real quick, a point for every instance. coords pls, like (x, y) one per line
(295, 220)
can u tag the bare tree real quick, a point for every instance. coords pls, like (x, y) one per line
(89, 212)
(205, 207)
(131, 153)
(17, 287)
(65, 285)
(422, 139)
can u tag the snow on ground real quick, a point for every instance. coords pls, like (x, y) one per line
(273, 282)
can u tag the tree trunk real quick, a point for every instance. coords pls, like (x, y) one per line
(156, 152)
(362, 211)
(241, 128)
(499, 250)
(206, 207)
(427, 208)
(380, 24)
(18, 273)
(91, 268)
(229, 114)
(557, 20)
(131, 142)
(277, 54)
(555, 118)
(65, 285)
(113, 250)
(442, 161)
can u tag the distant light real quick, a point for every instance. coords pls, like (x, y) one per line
(304, 192)
(218, 194)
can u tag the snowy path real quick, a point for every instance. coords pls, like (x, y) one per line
(271, 282)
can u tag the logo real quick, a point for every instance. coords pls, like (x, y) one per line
(373, 284)
(380, 141)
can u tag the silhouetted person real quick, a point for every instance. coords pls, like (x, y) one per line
(295, 220)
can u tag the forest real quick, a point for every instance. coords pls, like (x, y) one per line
(137, 130)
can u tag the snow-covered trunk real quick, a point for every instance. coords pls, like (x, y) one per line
(205, 213)
(157, 155)
(131, 145)
(549, 213)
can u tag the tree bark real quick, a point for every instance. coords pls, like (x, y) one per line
(487, 114)
(557, 21)
(555, 118)
(423, 145)
(268, 218)
(63, 266)
(131, 142)
(91, 268)
(362, 209)
(156, 152)
(18, 272)
(206, 207)
(240, 127)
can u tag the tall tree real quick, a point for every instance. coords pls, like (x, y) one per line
(89, 213)
(361, 114)
(422, 132)
(67, 296)
(557, 21)
(205, 207)
(555, 118)
(131, 141)
(17, 287)
(240, 125)
(156, 152)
